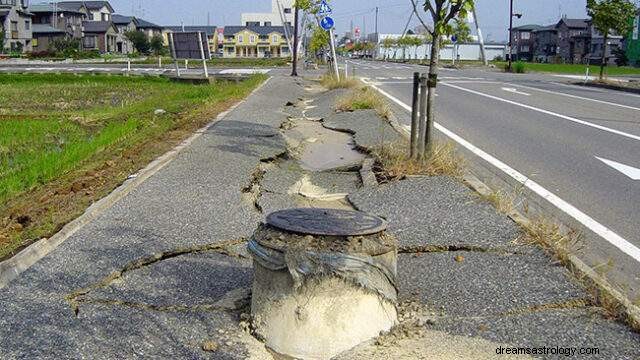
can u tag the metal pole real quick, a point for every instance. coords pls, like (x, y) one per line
(510, 35)
(173, 54)
(346, 69)
(414, 115)
(294, 72)
(376, 49)
(422, 135)
(333, 54)
(483, 53)
(202, 55)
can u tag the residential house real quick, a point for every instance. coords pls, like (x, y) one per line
(150, 29)
(97, 10)
(124, 24)
(255, 41)
(545, 44)
(281, 14)
(574, 38)
(211, 32)
(632, 42)
(522, 39)
(100, 35)
(15, 24)
(51, 21)
(614, 43)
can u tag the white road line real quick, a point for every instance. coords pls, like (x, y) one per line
(574, 96)
(629, 171)
(606, 233)
(569, 118)
(515, 91)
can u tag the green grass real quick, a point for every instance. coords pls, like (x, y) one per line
(576, 69)
(224, 62)
(51, 124)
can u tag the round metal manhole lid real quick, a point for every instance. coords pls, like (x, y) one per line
(329, 222)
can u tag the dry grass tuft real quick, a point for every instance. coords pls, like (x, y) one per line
(362, 99)
(503, 201)
(330, 82)
(397, 163)
(548, 235)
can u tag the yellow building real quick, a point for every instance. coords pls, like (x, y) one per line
(255, 42)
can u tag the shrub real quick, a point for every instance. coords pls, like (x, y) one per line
(520, 67)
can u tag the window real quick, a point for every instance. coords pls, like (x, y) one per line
(274, 38)
(524, 48)
(525, 35)
(89, 42)
(252, 39)
(287, 10)
(267, 23)
(27, 25)
(240, 39)
(14, 26)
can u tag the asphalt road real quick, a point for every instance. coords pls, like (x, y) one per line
(576, 147)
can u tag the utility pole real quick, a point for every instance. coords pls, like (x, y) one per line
(294, 72)
(377, 36)
(483, 53)
(510, 35)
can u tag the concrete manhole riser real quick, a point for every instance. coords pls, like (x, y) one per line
(321, 319)
(316, 296)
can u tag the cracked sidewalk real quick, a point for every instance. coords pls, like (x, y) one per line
(164, 272)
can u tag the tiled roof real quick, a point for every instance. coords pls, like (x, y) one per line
(91, 5)
(528, 27)
(575, 23)
(122, 19)
(208, 30)
(260, 30)
(141, 23)
(96, 26)
(49, 8)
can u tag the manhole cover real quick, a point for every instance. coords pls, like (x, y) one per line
(331, 222)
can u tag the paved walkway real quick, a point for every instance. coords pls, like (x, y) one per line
(164, 271)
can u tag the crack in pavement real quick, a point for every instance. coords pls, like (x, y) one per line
(430, 249)
(77, 297)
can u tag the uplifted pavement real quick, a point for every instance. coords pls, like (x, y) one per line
(163, 273)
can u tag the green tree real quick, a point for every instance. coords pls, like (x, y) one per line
(415, 42)
(139, 40)
(156, 44)
(319, 40)
(610, 16)
(403, 43)
(442, 12)
(388, 43)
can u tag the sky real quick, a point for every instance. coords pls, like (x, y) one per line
(493, 15)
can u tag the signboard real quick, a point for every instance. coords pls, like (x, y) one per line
(636, 27)
(357, 32)
(454, 38)
(324, 8)
(220, 36)
(189, 46)
(327, 23)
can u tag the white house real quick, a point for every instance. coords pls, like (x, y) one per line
(280, 10)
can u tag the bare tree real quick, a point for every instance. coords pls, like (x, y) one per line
(442, 13)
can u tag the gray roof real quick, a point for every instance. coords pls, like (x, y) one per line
(122, 19)
(91, 5)
(546, 28)
(575, 23)
(528, 27)
(96, 26)
(49, 8)
(260, 30)
(208, 30)
(4, 13)
(144, 24)
(46, 29)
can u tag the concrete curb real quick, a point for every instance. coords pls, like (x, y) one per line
(10, 269)
(609, 87)
(628, 311)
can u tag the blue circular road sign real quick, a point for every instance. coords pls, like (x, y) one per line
(454, 38)
(327, 23)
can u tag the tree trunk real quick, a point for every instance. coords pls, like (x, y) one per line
(294, 71)
(431, 95)
(604, 55)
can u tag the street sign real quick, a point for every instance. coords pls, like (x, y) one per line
(324, 8)
(327, 23)
(454, 38)
(357, 33)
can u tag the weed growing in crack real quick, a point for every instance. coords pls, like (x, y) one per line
(364, 98)
(548, 235)
(331, 82)
(397, 163)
